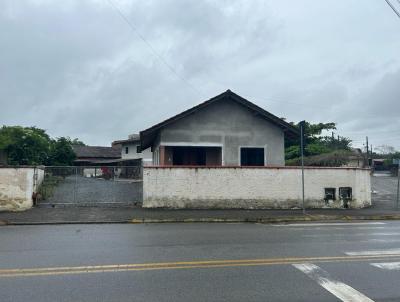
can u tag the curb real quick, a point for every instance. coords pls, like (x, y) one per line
(277, 219)
(5, 222)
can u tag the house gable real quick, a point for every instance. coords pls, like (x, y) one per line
(148, 136)
(228, 125)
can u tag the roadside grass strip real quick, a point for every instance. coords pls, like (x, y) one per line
(339, 289)
(67, 270)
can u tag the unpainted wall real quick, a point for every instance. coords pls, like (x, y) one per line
(230, 125)
(17, 186)
(145, 155)
(263, 188)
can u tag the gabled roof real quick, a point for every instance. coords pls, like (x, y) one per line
(132, 138)
(148, 135)
(96, 152)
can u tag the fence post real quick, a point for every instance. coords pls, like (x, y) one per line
(35, 185)
(398, 186)
(76, 183)
(114, 191)
(302, 126)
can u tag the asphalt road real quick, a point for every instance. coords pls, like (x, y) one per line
(384, 190)
(201, 262)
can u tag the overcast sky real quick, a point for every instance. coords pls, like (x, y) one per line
(76, 68)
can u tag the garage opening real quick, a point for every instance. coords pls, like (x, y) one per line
(252, 156)
(196, 156)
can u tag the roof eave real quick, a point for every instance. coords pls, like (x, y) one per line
(288, 129)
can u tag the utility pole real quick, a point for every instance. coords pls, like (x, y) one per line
(333, 141)
(398, 184)
(367, 151)
(302, 126)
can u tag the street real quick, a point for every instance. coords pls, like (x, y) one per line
(201, 262)
(385, 191)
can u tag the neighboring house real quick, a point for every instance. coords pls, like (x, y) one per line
(378, 164)
(226, 130)
(94, 155)
(131, 150)
(355, 159)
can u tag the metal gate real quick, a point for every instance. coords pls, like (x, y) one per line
(385, 190)
(91, 186)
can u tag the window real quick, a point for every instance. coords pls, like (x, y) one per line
(138, 150)
(193, 156)
(126, 150)
(252, 157)
(345, 193)
(330, 194)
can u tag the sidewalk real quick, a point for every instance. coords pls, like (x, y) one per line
(70, 215)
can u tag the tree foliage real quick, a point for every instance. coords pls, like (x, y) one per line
(61, 152)
(33, 146)
(316, 144)
(332, 159)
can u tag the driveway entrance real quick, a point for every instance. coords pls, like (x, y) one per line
(91, 186)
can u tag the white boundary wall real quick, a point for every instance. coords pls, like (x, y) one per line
(17, 186)
(258, 187)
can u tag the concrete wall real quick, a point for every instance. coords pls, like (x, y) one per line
(145, 155)
(229, 125)
(17, 186)
(263, 187)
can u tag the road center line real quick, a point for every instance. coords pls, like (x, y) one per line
(339, 289)
(48, 271)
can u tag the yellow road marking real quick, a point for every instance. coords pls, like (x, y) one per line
(66, 270)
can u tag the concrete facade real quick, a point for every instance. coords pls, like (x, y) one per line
(146, 155)
(17, 186)
(131, 146)
(228, 125)
(252, 188)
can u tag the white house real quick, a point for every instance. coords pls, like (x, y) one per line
(130, 150)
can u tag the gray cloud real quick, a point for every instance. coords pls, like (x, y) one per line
(76, 68)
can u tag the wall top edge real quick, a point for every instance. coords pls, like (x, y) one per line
(21, 167)
(257, 167)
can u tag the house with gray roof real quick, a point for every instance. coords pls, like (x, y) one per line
(96, 155)
(226, 130)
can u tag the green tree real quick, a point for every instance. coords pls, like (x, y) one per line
(33, 146)
(76, 142)
(61, 152)
(25, 145)
(316, 144)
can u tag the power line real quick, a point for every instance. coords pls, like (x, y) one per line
(268, 99)
(153, 50)
(373, 132)
(393, 8)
